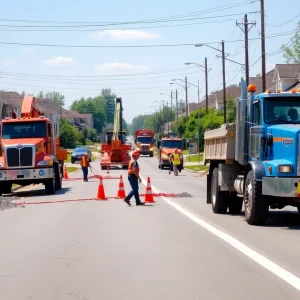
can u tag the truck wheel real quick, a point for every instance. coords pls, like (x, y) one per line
(235, 204)
(73, 160)
(50, 185)
(58, 178)
(219, 199)
(256, 205)
(6, 188)
(151, 154)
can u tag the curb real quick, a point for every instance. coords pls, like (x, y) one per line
(199, 172)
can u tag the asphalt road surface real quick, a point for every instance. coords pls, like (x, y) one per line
(173, 249)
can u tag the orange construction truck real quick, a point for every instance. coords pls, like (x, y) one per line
(167, 147)
(144, 141)
(30, 150)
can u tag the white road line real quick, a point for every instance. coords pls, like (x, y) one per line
(255, 256)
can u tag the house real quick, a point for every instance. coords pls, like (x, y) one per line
(77, 119)
(287, 77)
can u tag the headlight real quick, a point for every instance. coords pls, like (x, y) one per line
(137, 148)
(165, 156)
(1, 165)
(48, 161)
(285, 169)
(151, 149)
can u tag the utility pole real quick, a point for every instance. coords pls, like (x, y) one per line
(206, 86)
(198, 127)
(177, 109)
(186, 100)
(263, 45)
(246, 30)
(224, 82)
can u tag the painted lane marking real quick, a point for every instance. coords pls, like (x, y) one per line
(255, 256)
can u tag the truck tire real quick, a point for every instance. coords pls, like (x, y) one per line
(219, 199)
(50, 185)
(151, 154)
(58, 177)
(256, 205)
(73, 160)
(6, 188)
(235, 204)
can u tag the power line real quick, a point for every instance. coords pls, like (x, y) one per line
(282, 24)
(135, 46)
(108, 29)
(218, 8)
(285, 47)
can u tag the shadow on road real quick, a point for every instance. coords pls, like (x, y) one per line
(40, 193)
(287, 220)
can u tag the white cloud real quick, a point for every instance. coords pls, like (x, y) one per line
(60, 61)
(126, 34)
(28, 49)
(119, 67)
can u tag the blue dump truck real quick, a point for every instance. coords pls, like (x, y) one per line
(256, 161)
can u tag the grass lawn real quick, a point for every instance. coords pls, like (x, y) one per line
(194, 158)
(71, 169)
(197, 168)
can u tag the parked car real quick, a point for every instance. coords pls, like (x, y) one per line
(79, 152)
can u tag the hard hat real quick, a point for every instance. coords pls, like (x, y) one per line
(135, 153)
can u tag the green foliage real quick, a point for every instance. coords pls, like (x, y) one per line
(68, 134)
(57, 97)
(292, 52)
(109, 99)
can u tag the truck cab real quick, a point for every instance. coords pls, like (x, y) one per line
(167, 147)
(256, 161)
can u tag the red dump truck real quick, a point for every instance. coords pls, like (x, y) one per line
(144, 141)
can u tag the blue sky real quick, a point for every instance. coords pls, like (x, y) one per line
(77, 72)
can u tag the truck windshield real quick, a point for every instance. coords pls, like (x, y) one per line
(282, 110)
(144, 140)
(171, 144)
(24, 130)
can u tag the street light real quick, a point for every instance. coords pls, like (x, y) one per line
(223, 67)
(206, 80)
(198, 123)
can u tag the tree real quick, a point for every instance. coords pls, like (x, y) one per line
(40, 95)
(68, 134)
(291, 51)
(57, 97)
(109, 98)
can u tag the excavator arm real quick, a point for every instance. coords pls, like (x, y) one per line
(117, 119)
(29, 108)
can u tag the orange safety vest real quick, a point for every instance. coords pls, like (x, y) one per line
(84, 162)
(130, 167)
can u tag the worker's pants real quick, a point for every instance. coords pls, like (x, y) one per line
(85, 172)
(134, 182)
(173, 167)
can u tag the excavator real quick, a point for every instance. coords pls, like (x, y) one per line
(115, 152)
(30, 150)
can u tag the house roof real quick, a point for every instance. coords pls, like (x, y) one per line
(287, 71)
(47, 105)
(258, 81)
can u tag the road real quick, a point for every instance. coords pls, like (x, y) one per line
(173, 249)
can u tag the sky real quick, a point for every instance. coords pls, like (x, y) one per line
(37, 52)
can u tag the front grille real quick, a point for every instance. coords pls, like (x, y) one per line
(19, 157)
(145, 148)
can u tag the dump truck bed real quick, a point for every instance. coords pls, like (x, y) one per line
(219, 144)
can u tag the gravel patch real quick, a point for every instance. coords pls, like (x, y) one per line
(6, 202)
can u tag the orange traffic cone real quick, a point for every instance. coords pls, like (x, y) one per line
(121, 190)
(149, 195)
(66, 172)
(101, 193)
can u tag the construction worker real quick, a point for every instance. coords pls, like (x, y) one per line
(84, 163)
(134, 179)
(174, 160)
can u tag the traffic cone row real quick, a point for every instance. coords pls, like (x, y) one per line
(121, 191)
